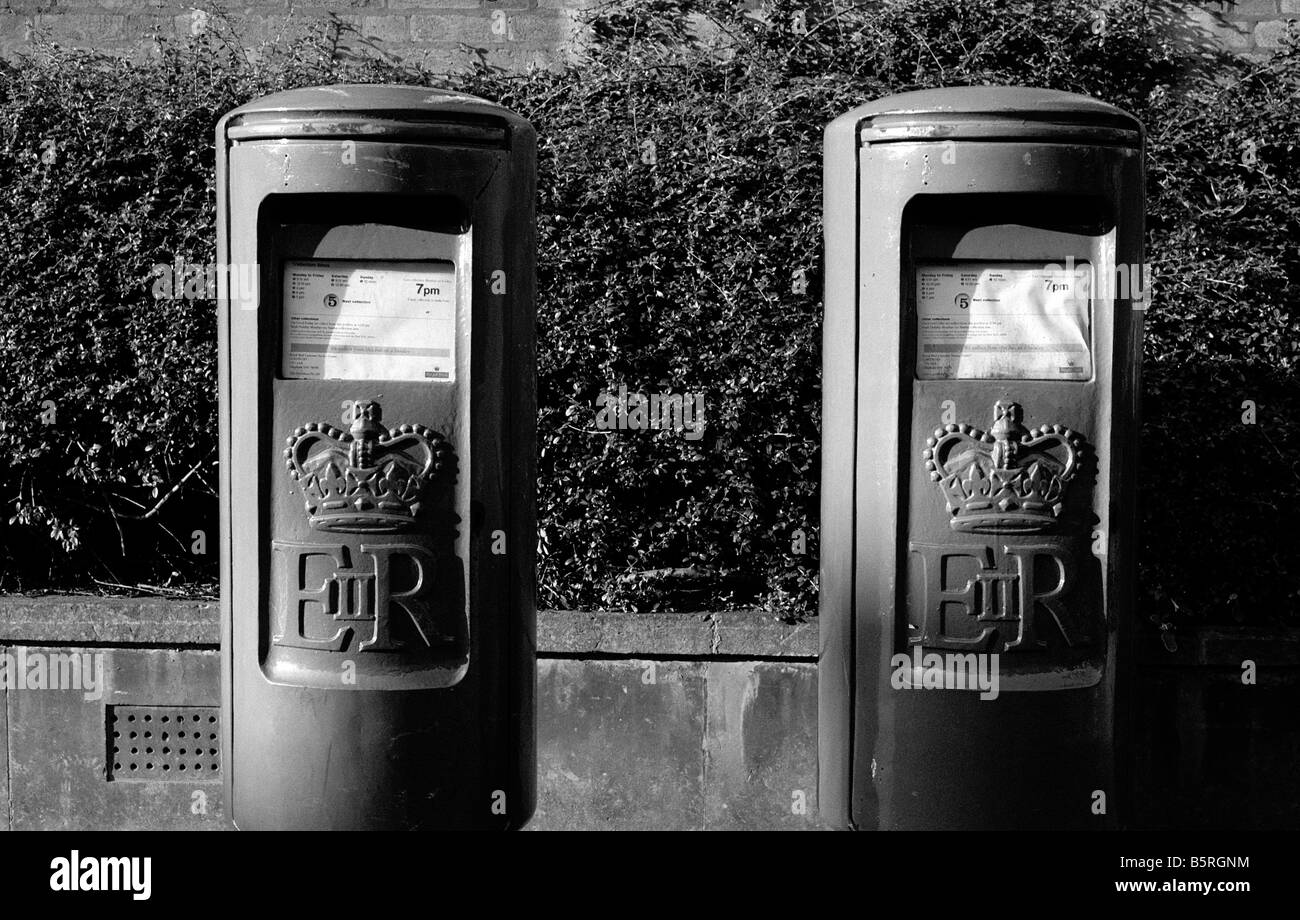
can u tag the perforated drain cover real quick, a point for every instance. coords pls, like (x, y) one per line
(163, 743)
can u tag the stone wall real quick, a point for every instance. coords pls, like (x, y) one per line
(513, 33)
(1253, 26)
(688, 721)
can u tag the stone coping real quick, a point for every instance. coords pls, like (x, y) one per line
(80, 619)
(55, 619)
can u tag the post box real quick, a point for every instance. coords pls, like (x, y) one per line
(377, 411)
(984, 288)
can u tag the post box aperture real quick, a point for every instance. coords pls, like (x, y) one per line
(377, 469)
(980, 369)
(998, 305)
(377, 291)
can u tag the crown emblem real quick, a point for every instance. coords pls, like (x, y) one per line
(367, 479)
(1006, 480)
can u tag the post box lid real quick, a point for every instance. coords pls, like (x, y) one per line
(362, 111)
(991, 113)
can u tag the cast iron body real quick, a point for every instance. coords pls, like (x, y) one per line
(1041, 575)
(378, 535)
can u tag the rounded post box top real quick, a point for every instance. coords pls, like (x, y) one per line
(362, 110)
(990, 112)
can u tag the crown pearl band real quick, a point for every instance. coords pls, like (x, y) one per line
(368, 479)
(1007, 480)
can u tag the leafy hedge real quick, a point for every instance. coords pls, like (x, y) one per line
(679, 231)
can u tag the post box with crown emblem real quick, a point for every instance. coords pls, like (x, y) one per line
(376, 335)
(984, 289)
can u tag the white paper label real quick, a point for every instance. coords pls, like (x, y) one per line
(348, 320)
(1009, 320)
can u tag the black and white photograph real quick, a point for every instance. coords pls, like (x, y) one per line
(650, 415)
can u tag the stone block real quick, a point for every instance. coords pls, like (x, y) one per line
(59, 747)
(760, 768)
(80, 28)
(422, 5)
(620, 745)
(1270, 34)
(451, 28)
(1209, 28)
(388, 29)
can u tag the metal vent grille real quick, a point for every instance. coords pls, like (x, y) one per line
(163, 743)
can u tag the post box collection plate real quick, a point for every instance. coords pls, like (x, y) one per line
(980, 320)
(349, 320)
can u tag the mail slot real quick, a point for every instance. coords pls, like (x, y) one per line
(983, 317)
(377, 404)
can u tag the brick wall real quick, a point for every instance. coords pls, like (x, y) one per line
(513, 33)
